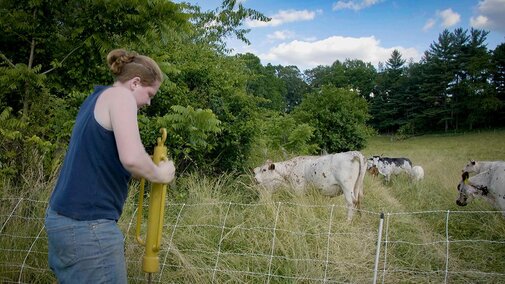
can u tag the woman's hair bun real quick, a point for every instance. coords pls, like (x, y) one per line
(117, 58)
(126, 65)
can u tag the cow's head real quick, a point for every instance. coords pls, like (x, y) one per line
(466, 191)
(373, 170)
(470, 167)
(369, 163)
(267, 176)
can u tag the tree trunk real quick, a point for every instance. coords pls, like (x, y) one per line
(26, 96)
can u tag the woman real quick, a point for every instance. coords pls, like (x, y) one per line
(105, 150)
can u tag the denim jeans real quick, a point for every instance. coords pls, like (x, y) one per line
(85, 251)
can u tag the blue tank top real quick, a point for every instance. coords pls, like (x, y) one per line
(93, 184)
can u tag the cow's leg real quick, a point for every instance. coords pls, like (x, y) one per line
(388, 178)
(349, 200)
(298, 187)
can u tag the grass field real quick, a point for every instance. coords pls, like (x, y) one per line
(226, 230)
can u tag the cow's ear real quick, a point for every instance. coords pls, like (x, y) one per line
(271, 167)
(472, 162)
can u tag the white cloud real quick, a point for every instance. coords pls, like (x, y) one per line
(280, 35)
(354, 4)
(284, 16)
(479, 21)
(449, 18)
(491, 15)
(429, 24)
(307, 55)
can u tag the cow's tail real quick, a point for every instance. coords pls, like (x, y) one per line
(358, 185)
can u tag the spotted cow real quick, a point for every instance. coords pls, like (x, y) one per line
(332, 174)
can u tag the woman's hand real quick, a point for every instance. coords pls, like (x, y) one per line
(166, 171)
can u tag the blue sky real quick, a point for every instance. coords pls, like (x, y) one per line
(310, 33)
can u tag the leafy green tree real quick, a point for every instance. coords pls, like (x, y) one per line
(207, 79)
(22, 151)
(68, 40)
(360, 76)
(457, 89)
(262, 82)
(295, 85)
(319, 76)
(284, 133)
(498, 74)
(440, 64)
(415, 76)
(389, 104)
(338, 116)
(52, 53)
(50, 50)
(191, 135)
(498, 61)
(214, 26)
(476, 97)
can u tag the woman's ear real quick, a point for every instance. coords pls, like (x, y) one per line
(134, 83)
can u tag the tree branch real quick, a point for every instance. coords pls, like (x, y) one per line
(7, 60)
(64, 58)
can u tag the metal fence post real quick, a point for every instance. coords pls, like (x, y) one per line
(377, 253)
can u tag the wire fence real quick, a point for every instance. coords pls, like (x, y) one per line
(276, 243)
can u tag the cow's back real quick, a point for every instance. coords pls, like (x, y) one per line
(335, 172)
(320, 174)
(480, 166)
(295, 171)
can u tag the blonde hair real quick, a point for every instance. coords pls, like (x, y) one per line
(126, 65)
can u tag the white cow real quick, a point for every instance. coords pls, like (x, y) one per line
(333, 174)
(417, 173)
(479, 166)
(390, 166)
(489, 185)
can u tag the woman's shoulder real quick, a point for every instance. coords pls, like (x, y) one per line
(119, 95)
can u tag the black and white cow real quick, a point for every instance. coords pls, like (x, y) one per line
(390, 166)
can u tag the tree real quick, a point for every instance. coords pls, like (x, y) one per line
(440, 64)
(338, 116)
(498, 61)
(52, 53)
(360, 76)
(319, 76)
(476, 102)
(389, 104)
(68, 40)
(498, 74)
(214, 26)
(263, 82)
(457, 89)
(295, 86)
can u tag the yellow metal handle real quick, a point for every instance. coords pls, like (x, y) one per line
(157, 247)
(150, 261)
